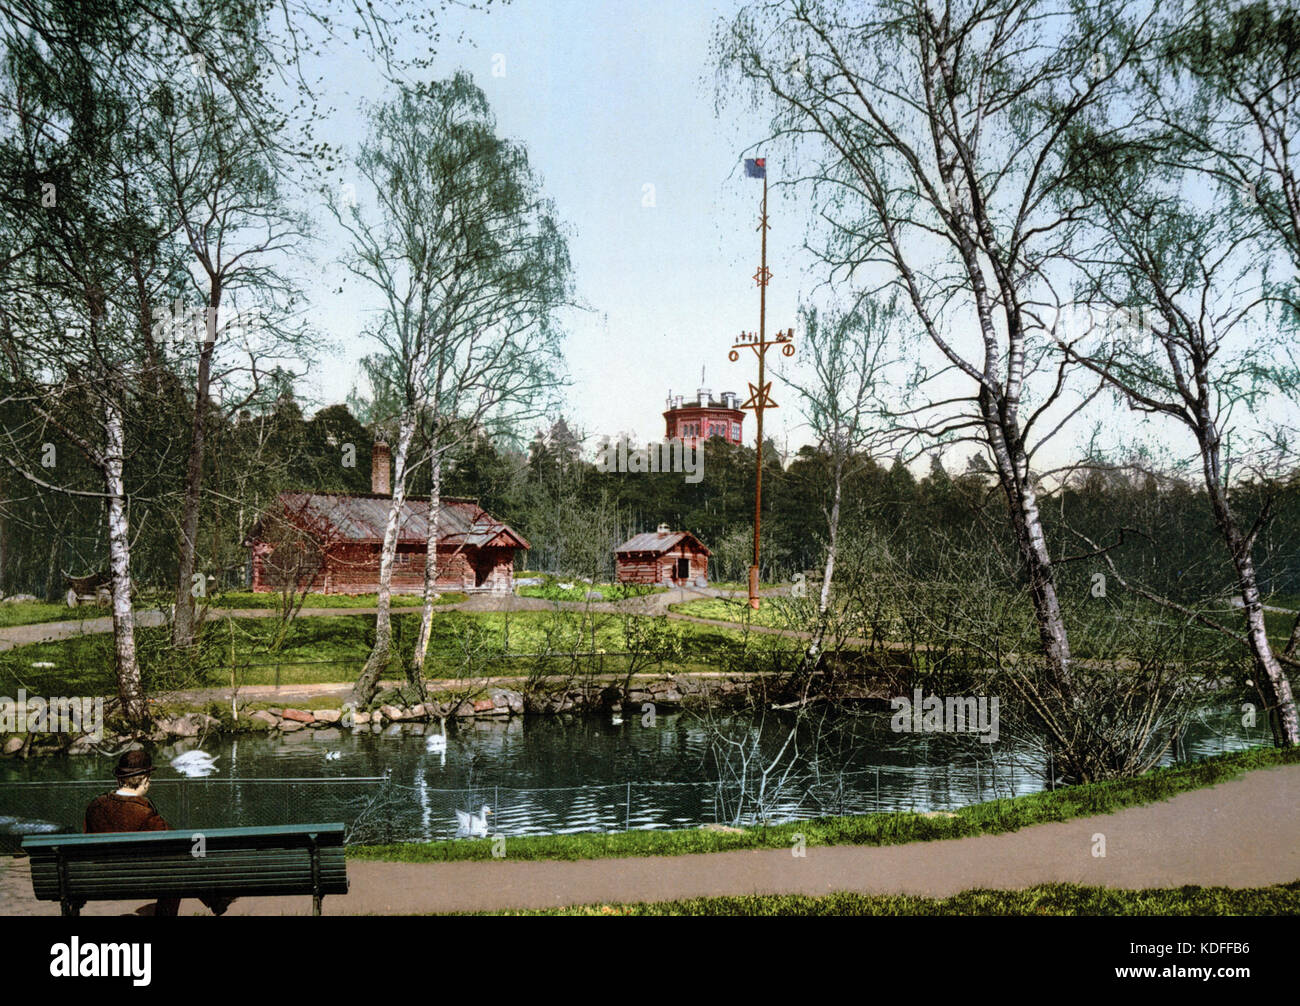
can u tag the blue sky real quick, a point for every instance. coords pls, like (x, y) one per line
(610, 99)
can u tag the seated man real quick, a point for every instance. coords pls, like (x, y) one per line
(128, 809)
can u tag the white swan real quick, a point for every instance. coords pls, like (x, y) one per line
(469, 825)
(438, 741)
(332, 755)
(616, 720)
(195, 764)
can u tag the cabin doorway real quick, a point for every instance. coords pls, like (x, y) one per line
(484, 564)
(683, 570)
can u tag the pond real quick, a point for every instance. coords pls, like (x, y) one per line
(557, 774)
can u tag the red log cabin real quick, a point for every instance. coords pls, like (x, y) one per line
(663, 557)
(330, 543)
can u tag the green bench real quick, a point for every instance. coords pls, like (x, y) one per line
(235, 863)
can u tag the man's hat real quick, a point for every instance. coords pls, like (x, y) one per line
(132, 764)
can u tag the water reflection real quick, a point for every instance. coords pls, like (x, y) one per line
(562, 774)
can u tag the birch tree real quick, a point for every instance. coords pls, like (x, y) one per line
(70, 321)
(1190, 343)
(930, 139)
(469, 264)
(842, 401)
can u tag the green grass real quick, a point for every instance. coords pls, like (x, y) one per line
(331, 648)
(250, 599)
(991, 818)
(768, 615)
(1042, 899)
(35, 612)
(578, 592)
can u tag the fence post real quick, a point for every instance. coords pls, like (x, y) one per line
(877, 789)
(627, 826)
(1051, 772)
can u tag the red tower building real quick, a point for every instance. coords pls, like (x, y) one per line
(696, 421)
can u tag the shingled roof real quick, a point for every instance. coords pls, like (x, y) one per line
(658, 542)
(361, 517)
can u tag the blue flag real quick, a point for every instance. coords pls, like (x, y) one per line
(755, 167)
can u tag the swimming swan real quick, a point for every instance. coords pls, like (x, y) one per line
(469, 825)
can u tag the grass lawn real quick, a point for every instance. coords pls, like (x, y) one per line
(34, 612)
(993, 817)
(778, 615)
(784, 613)
(331, 648)
(250, 599)
(743, 585)
(578, 592)
(1043, 899)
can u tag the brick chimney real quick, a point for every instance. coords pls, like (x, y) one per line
(380, 480)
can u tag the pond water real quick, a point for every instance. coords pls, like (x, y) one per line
(544, 775)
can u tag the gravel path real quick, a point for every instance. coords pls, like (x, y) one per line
(1243, 833)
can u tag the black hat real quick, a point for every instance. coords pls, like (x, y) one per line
(133, 763)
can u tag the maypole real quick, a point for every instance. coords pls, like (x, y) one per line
(760, 397)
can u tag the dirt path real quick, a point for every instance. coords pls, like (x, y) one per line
(1244, 833)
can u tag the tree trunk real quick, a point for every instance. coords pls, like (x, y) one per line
(1013, 475)
(129, 687)
(832, 543)
(1293, 640)
(812, 653)
(1272, 680)
(416, 669)
(184, 625)
(53, 581)
(368, 681)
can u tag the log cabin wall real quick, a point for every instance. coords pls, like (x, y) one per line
(354, 569)
(652, 569)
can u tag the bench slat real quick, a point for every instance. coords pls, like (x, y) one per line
(238, 861)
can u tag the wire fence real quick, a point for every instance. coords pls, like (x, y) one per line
(388, 809)
(402, 805)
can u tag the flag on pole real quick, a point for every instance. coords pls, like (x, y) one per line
(755, 167)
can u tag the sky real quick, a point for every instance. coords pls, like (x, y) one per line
(615, 103)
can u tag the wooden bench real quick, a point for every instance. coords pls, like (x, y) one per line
(235, 863)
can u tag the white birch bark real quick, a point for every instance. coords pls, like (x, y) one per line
(129, 687)
(368, 681)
